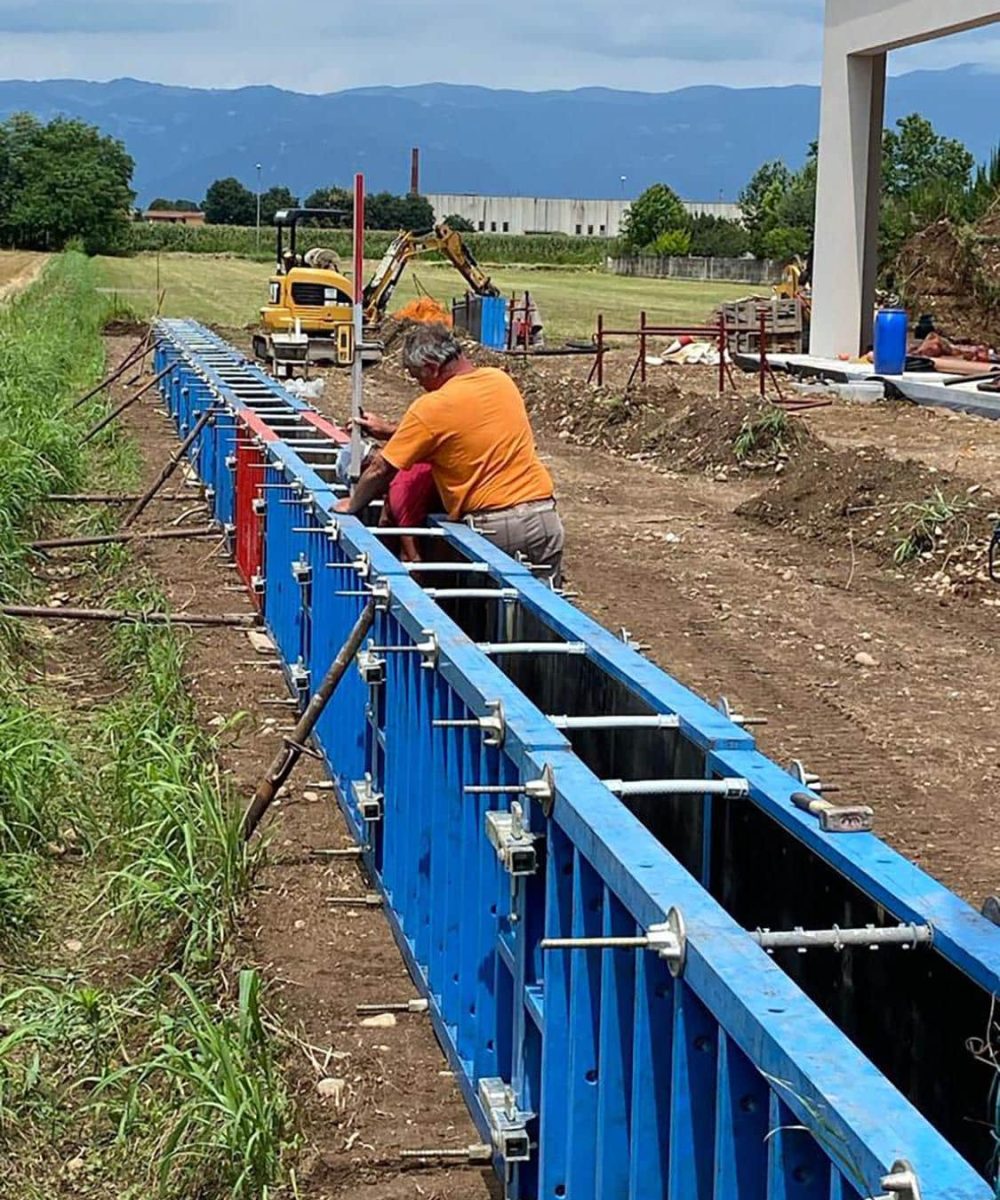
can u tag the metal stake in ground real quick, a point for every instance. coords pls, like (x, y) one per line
(128, 361)
(133, 618)
(172, 463)
(111, 539)
(115, 413)
(284, 762)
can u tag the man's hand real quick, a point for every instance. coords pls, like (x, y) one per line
(343, 506)
(375, 427)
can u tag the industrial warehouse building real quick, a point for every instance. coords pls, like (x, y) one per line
(537, 214)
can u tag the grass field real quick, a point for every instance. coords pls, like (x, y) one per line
(230, 291)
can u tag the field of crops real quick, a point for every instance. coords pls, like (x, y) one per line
(230, 291)
(243, 241)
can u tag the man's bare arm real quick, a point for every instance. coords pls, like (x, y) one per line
(372, 484)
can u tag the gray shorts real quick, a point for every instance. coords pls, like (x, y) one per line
(534, 530)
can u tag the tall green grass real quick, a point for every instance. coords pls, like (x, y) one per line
(50, 350)
(493, 248)
(183, 866)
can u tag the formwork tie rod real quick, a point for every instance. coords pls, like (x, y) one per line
(132, 618)
(475, 568)
(405, 531)
(732, 788)
(870, 936)
(402, 1006)
(469, 1154)
(109, 539)
(507, 594)
(496, 648)
(803, 940)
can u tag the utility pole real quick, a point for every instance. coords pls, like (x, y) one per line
(258, 207)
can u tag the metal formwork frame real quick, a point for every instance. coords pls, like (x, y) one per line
(692, 1066)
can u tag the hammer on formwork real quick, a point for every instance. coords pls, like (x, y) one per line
(294, 744)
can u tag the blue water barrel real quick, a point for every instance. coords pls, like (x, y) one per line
(891, 330)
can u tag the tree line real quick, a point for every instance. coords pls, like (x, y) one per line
(230, 202)
(925, 176)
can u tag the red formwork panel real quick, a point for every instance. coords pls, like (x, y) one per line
(330, 428)
(251, 462)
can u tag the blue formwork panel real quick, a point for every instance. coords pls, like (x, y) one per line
(627, 1073)
(493, 333)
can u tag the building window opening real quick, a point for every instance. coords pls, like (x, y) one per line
(579, 230)
(506, 226)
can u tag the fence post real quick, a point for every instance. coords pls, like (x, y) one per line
(642, 346)
(600, 349)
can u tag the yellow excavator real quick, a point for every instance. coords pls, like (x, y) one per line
(309, 315)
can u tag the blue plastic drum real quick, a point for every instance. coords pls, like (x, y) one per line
(891, 331)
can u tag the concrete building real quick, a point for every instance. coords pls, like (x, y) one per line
(532, 214)
(859, 35)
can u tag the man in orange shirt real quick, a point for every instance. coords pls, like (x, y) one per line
(472, 427)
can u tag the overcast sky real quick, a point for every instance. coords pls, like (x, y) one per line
(652, 45)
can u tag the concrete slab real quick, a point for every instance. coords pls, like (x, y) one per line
(922, 387)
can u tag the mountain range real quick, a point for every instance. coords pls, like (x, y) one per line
(704, 141)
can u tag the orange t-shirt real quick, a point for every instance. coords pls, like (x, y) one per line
(474, 432)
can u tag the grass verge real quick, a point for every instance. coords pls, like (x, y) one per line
(133, 1060)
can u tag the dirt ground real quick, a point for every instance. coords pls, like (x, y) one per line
(661, 540)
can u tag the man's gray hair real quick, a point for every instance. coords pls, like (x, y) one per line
(430, 347)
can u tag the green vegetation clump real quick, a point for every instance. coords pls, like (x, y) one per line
(764, 434)
(929, 522)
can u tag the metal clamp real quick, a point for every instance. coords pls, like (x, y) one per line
(542, 790)
(668, 940)
(841, 818)
(630, 641)
(257, 584)
(508, 1126)
(300, 676)
(259, 506)
(493, 725)
(371, 667)
(369, 801)
(516, 848)
(302, 571)
(726, 709)
(901, 1182)
(429, 650)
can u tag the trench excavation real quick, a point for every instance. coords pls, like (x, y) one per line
(572, 849)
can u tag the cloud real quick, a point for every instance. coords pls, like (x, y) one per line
(647, 45)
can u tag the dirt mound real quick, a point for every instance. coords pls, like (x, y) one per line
(913, 517)
(658, 423)
(953, 273)
(125, 327)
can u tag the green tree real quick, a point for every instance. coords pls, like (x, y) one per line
(228, 202)
(61, 181)
(415, 214)
(717, 237)
(761, 197)
(657, 211)
(915, 158)
(785, 242)
(336, 198)
(162, 205)
(459, 223)
(274, 200)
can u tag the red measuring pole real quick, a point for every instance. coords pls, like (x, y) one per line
(357, 379)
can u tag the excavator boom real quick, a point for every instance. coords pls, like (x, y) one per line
(405, 246)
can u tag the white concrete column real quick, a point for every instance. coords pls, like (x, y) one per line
(847, 209)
